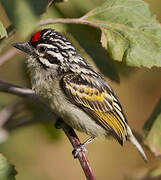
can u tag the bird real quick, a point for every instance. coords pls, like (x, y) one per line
(74, 90)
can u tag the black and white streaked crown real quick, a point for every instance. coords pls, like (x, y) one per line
(51, 37)
(59, 46)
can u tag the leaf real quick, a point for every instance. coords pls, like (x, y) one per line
(85, 46)
(3, 32)
(7, 171)
(129, 31)
(152, 130)
(86, 38)
(24, 14)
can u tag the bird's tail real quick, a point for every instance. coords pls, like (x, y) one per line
(135, 142)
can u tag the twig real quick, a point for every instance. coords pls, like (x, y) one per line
(10, 53)
(23, 92)
(5, 115)
(73, 138)
(13, 52)
(49, 4)
(68, 21)
(8, 111)
(28, 93)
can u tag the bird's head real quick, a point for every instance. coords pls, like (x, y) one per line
(50, 49)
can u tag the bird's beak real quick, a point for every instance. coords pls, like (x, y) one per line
(25, 47)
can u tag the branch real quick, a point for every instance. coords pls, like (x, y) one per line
(68, 21)
(5, 57)
(5, 114)
(8, 111)
(23, 92)
(81, 20)
(73, 138)
(29, 94)
(50, 2)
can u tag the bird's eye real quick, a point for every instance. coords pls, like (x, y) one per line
(41, 49)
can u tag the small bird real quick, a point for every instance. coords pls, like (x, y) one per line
(74, 90)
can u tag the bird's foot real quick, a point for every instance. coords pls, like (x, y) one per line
(78, 149)
(58, 123)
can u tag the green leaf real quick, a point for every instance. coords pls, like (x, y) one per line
(152, 129)
(91, 50)
(86, 38)
(24, 14)
(7, 171)
(3, 32)
(129, 31)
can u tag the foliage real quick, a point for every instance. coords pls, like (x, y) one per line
(23, 9)
(128, 35)
(7, 171)
(3, 32)
(152, 130)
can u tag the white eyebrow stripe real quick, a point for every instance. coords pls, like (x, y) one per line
(47, 45)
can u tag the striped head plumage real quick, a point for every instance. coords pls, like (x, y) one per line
(53, 49)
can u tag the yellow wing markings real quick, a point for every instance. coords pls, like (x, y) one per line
(86, 92)
(91, 95)
(99, 104)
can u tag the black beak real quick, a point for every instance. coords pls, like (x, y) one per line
(25, 47)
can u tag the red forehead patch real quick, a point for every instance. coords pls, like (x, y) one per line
(36, 36)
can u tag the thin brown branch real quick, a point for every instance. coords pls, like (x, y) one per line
(68, 21)
(73, 138)
(8, 111)
(8, 55)
(5, 114)
(28, 93)
(49, 4)
(23, 92)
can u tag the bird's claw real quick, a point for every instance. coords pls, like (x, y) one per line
(58, 123)
(78, 149)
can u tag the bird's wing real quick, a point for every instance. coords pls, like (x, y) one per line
(97, 99)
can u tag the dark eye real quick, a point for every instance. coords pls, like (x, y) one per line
(53, 60)
(41, 49)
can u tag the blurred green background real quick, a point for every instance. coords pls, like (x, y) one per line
(39, 154)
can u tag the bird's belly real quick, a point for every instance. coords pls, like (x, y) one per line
(69, 112)
(76, 117)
